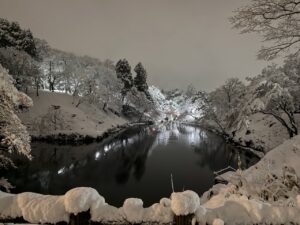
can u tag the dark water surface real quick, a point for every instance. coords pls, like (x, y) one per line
(137, 163)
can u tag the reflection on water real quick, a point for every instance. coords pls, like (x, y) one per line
(137, 163)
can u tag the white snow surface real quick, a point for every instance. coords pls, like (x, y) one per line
(108, 214)
(86, 119)
(37, 208)
(9, 206)
(244, 205)
(82, 199)
(218, 222)
(133, 210)
(184, 203)
(231, 209)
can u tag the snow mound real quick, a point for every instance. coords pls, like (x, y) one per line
(108, 214)
(200, 215)
(253, 212)
(37, 208)
(133, 210)
(165, 202)
(218, 222)
(184, 203)
(298, 201)
(162, 213)
(9, 206)
(82, 199)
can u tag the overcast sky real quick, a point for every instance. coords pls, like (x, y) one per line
(178, 41)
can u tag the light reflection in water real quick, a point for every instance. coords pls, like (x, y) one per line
(97, 155)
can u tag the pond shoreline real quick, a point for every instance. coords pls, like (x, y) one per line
(79, 139)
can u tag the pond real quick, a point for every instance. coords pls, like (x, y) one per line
(136, 163)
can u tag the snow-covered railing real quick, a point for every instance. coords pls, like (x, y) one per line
(82, 206)
(85, 206)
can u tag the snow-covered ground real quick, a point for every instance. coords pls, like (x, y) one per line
(261, 130)
(54, 113)
(266, 192)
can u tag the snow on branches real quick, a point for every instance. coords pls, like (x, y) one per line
(13, 134)
(276, 20)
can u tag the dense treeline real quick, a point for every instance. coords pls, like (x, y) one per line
(35, 65)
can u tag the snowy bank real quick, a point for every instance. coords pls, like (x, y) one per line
(267, 192)
(55, 113)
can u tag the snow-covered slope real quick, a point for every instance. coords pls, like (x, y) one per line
(54, 113)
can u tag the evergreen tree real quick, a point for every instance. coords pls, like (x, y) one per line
(123, 71)
(12, 35)
(140, 81)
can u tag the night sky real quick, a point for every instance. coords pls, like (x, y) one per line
(178, 41)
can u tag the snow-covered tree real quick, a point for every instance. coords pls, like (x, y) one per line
(233, 89)
(140, 80)
(123, 71)
(190, 91)
(22, 67)
(210, 111)
(13, 134)
(280, 104)
(276, 92)
(12, 35)
(276, 20)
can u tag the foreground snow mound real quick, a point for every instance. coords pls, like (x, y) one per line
(159, 213)
(108, 214)
(251, 211)
(9, 206)
(218, 222)
(37, 208)
(184, 203)
(82, 199)
(133, 210)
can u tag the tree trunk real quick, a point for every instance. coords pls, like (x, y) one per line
(104, 106)
(37, 86)
(78, 103)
